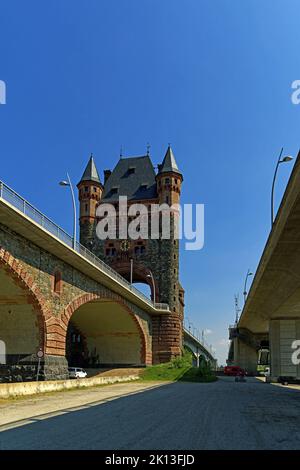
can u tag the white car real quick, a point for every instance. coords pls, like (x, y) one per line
(77, 373)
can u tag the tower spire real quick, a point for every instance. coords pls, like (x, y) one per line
(169, 163)
(91, 173)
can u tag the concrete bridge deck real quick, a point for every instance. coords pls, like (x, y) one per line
(272, 307)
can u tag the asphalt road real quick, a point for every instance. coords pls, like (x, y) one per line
(220, 415)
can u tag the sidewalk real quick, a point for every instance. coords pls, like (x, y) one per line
(21, 411)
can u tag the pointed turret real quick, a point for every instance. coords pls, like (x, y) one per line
(169, 179)
(90, 193)
(169, 164)
(91, 173)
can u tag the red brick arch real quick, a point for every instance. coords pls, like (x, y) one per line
(24, 280)
(145, 354)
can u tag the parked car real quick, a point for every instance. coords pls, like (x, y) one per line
(286, 380)
(77, 373)
(234, 371)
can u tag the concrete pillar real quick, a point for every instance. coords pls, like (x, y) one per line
(282, 334)
(245, 356)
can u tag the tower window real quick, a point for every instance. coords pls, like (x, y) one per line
(176, 180)
(167, 199)
(167, 180)
(86, 208)
(110, 251)
(131, 170)
(86, 188)
(139, 249)
(95, 189)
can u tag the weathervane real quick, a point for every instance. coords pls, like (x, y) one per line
(148, 149)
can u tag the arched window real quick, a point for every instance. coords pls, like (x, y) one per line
(57, 286)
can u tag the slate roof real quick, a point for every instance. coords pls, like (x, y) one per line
(133, 177)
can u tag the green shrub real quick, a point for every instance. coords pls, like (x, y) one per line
(180, 368)
(181, 362)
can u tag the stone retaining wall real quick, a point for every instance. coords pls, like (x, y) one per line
(32, 388)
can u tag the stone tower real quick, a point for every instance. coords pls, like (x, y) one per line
(90, 192)
(167, 329)
(135, 177)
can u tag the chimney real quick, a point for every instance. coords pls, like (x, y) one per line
(107, 174)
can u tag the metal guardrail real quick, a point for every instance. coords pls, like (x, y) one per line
(47, 224)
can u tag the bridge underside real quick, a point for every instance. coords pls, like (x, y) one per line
(103, 334)
(273, 304)
(20, 324)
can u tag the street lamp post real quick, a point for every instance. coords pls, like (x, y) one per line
(131, 270)
(150, 275)
(69, 183)
(245, 285)
(280, 160)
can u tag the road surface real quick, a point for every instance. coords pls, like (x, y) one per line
(220, 415)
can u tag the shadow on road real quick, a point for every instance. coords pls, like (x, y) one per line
(223, 415)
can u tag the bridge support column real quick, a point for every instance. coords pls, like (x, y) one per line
(245, 356)
(166, 338)
(282, 334)
(55, 367)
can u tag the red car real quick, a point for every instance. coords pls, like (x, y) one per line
(234, 371)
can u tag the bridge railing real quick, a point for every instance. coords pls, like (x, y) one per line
(34, 214)
(195, 333)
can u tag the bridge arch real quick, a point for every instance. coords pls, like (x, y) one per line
(103, 331)
(139, 274)
(23, 315)
(188, 349)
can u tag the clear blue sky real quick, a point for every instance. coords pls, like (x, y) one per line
(211, 77)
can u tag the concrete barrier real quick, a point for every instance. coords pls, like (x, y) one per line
(32, 388)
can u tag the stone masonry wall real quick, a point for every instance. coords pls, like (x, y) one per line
(34, 269)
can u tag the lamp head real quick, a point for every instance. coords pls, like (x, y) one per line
(64, 183)
(286, 159)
